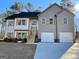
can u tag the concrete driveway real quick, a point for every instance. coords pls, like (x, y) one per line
(17, 51)
(72, 53)
(51, 50)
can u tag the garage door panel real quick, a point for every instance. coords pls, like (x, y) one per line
(66, 37)
(47, 37)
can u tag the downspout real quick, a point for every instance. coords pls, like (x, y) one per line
(56, 39)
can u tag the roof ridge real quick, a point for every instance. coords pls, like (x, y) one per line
(58, 6)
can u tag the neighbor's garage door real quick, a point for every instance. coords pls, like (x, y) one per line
(47, 37)
(66, 37)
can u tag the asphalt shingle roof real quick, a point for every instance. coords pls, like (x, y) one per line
(23, 15)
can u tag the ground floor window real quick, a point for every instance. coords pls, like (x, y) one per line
(21, 35)
(10, 35)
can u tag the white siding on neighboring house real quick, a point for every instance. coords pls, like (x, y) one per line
(9, 27)
(21, 27)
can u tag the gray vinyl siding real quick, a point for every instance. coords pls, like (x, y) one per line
(47, 15)
(69, 27)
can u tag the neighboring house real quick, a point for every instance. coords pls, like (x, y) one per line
(54, 23)
(22, 25)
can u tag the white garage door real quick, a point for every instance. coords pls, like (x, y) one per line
(47, 37)
(66, 37)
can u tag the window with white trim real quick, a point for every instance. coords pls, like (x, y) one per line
(21, 35)
(10, 35)
(18, 22)
(65, 20)
(50, 21)
(10, 23)
(43, 21)
(21, 22)
(34, 22)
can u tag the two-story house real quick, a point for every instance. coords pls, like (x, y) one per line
(22, 25)
(53, 24)
(56, 24)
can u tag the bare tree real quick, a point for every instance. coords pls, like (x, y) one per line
(17, 7)
(2, 19)
(29, 7)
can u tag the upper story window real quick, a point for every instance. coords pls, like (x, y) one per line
(68, 5)
(65, 20)
(21, 22)
(43, 21)
(34, 22)
(10, 23)
(50, 21)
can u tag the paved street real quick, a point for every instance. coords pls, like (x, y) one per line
(72, 53)
(17, 51)
(44, 50)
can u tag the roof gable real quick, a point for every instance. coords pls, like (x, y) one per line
(57, 6)
(50, 7)
(66, 11)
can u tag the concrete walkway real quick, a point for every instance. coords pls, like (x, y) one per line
(72, 53)
(51, 50)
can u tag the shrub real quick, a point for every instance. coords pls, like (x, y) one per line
(37, 40)
(9, 40)
(15, 39)
(5, 39)
(19, 39)
(36, 37)
(24, 40)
